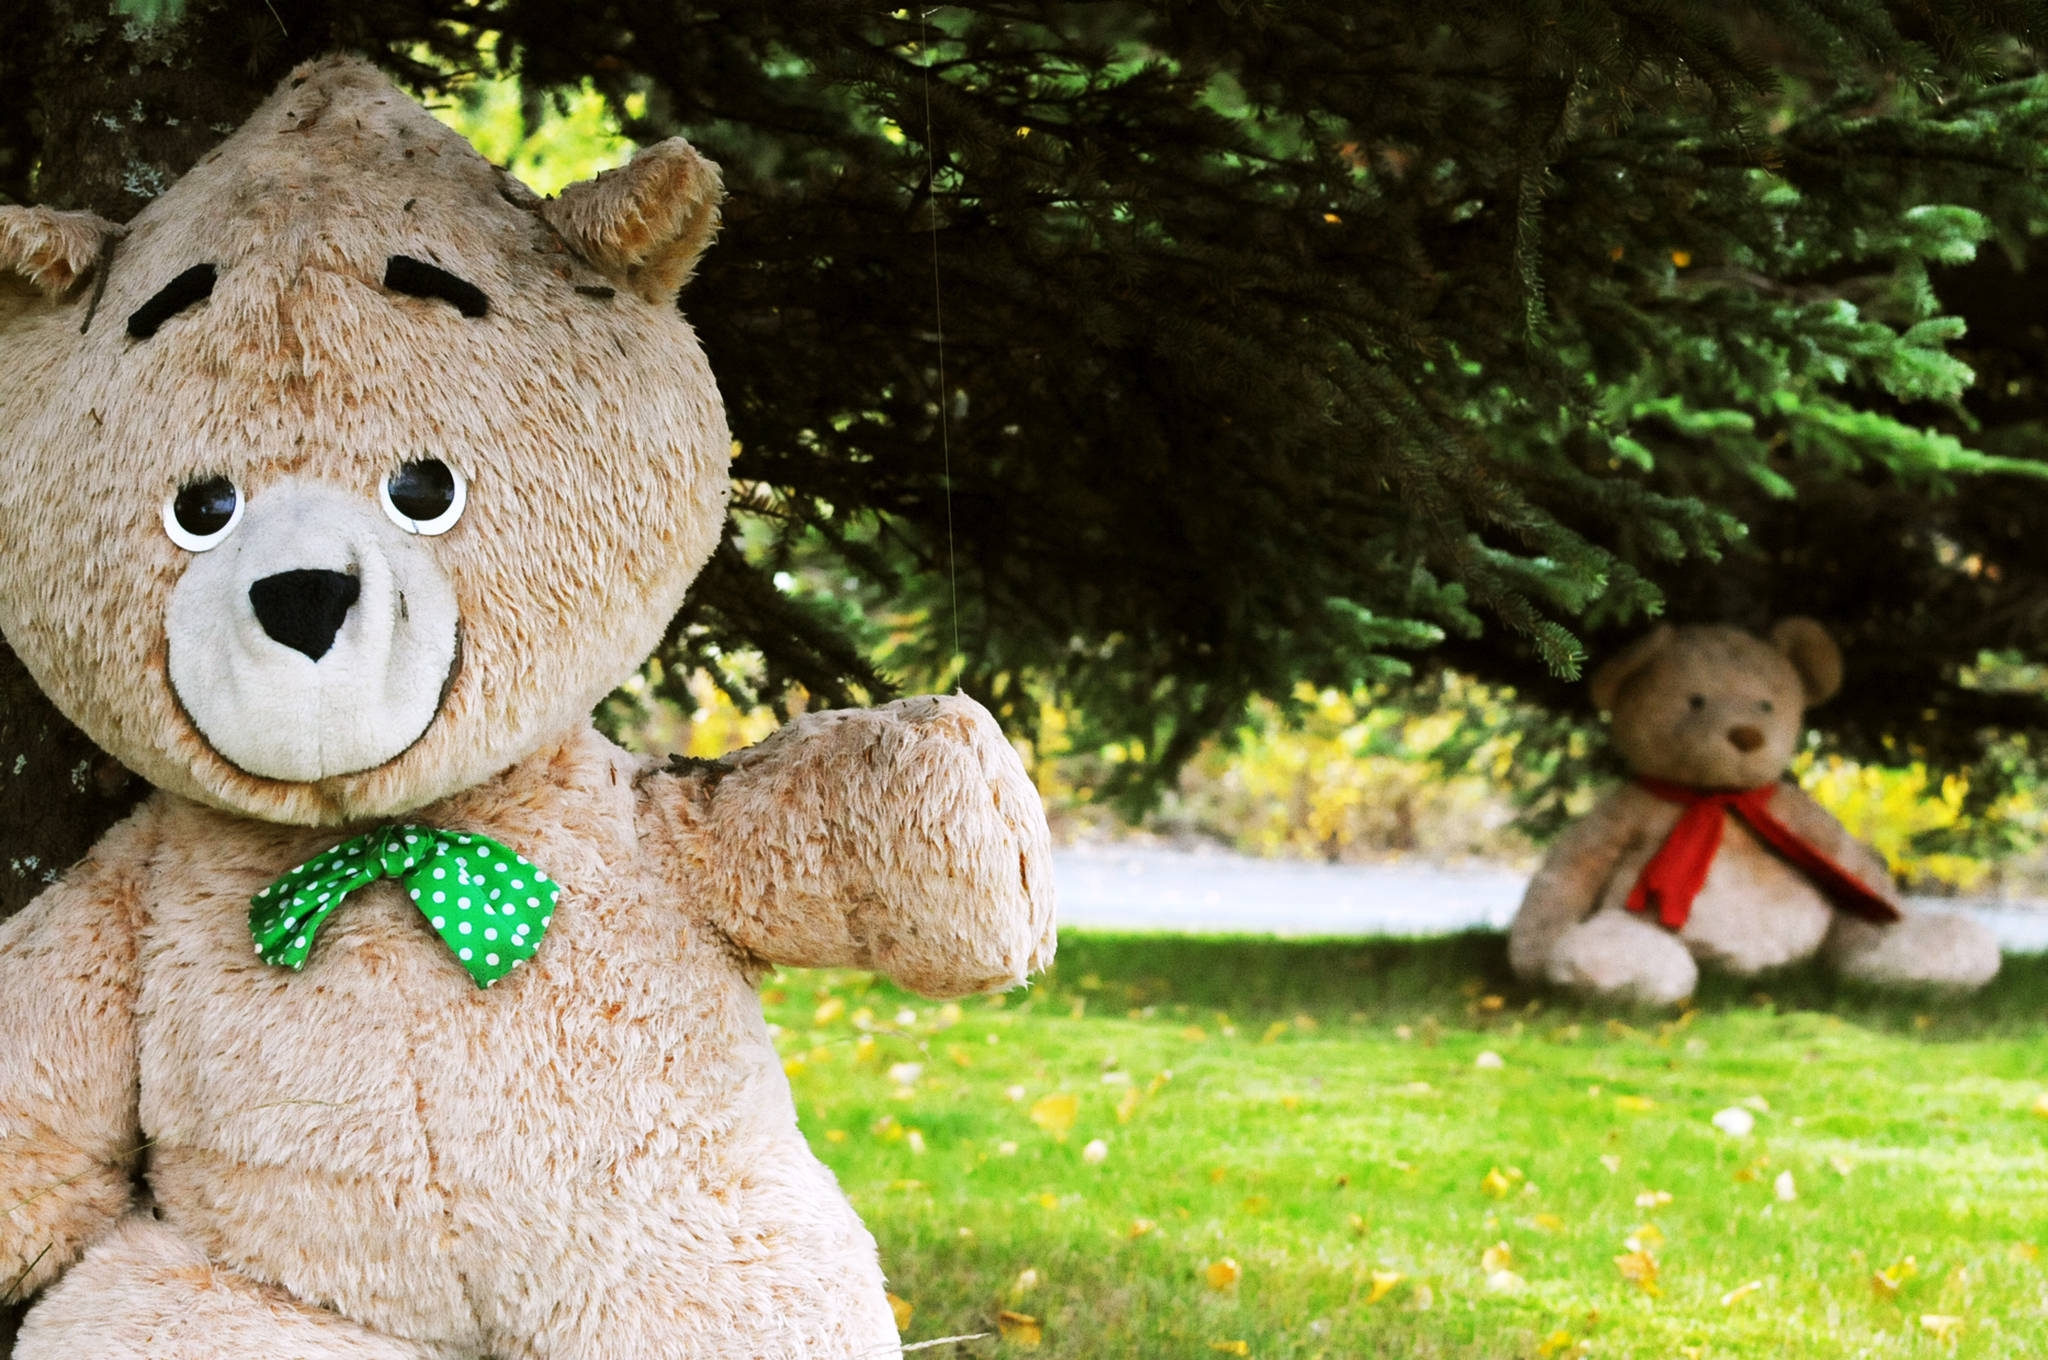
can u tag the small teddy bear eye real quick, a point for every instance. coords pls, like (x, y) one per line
(1764, 705)
(424, 496)
(201, 513)
(1698, 701)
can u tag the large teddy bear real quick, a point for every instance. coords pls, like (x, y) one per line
(411, 1018)
(1707, 856)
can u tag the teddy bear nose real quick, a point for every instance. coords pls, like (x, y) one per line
(1745, 738)
(304, 609)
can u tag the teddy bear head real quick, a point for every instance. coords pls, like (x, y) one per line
(352, 472)
(1715, 707)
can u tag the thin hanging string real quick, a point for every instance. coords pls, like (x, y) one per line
(931, 178)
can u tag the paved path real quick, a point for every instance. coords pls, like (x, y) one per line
(1133, 887)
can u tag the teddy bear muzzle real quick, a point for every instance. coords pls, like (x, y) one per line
(1745, 738)
(316, 640)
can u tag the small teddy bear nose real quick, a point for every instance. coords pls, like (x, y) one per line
(304, 609)
(1745, 738)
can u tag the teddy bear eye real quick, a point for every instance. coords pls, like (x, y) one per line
(199, 514)
(1764, 705)
(1698, 701)
(424, 496)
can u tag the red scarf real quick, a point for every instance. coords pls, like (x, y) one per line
(1677, 872)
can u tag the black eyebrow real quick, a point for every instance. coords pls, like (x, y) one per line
(417, 278)
(194, 285)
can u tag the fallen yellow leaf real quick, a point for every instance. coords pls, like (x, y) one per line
(1141, 1226)
(1646, 1238)
(1020, 1328)
(1222, 1274)
(1941, 1326)
(1056, 1114)
(1231, 1347)
(1634, 1104)
(832, 1008)
(1383, 1283)
(1740, 1292)
(1273, 1031)
(1639, 1268)
(1548, 1222)
(1500, 1184)
(1557, 1341)
(1886, 1283)
(902, 1308)
(1499, 1256)
(1048, 1200)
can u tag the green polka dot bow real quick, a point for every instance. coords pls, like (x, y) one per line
(486, 901)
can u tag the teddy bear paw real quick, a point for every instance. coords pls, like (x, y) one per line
(1625, 958)
(1945, 951)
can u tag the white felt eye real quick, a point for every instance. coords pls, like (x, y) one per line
(201, 513)
(425, 496)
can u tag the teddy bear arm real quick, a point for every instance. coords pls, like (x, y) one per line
(69, 1131)
(905, 839)
(1819, 828)
(1573, 878)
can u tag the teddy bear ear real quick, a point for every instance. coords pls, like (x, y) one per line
(646, 222)
(51, 251)
(1607, 681)
(1812, 653)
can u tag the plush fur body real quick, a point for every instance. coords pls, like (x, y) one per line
(1715, 708)
(598, 1157)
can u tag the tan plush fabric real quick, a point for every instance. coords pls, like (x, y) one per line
(597, 1158)
(589, 427)
(1717, 708)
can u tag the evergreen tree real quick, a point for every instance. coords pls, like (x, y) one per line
(1168, 354)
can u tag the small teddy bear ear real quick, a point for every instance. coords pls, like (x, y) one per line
(1607, 681)
(646, 222)
(51, 251)
(1812, 653)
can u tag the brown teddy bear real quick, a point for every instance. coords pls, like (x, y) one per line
(340, 485)
(1707, 856)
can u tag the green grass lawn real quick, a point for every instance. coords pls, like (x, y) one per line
(1192, 1147)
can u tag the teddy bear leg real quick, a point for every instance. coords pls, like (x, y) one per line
(1623, 956)
(142, 1292)
(1942, 950)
